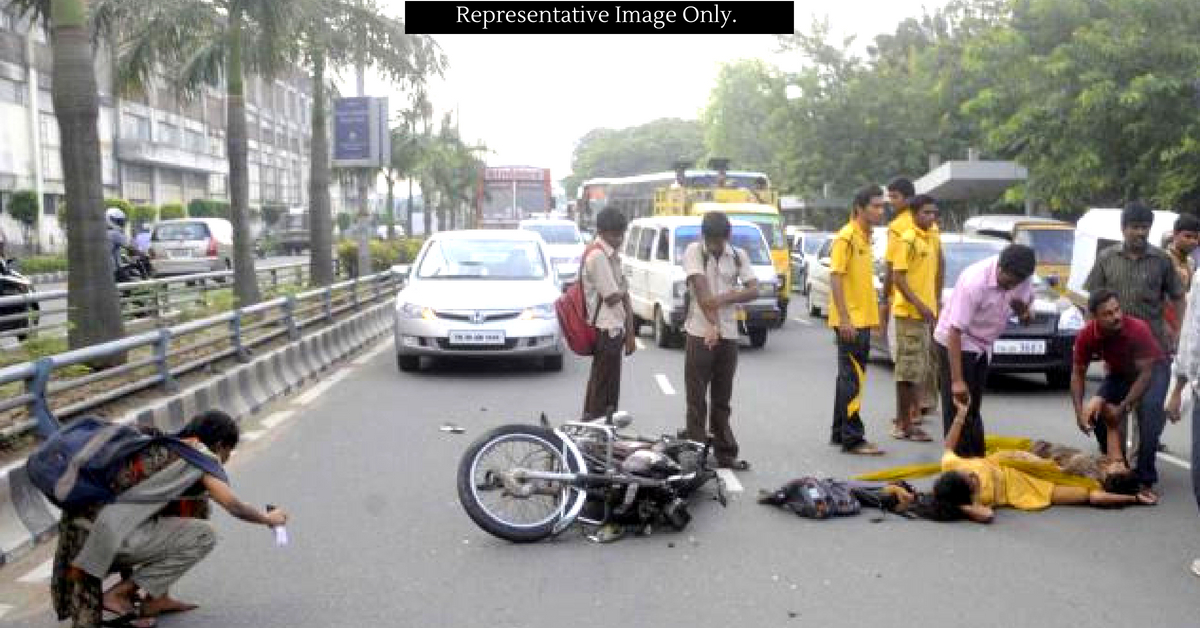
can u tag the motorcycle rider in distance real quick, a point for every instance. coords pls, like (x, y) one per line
(119, 242)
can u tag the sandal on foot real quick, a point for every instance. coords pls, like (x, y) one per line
(1147, 497)
(917, 434)
(864, 449)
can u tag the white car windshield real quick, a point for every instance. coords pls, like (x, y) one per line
(482, 259)
(556, 234)
(746, 238)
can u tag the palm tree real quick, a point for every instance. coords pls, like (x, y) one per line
(338, 34)
(94, 314)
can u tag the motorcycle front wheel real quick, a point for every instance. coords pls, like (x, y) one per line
(519, 511)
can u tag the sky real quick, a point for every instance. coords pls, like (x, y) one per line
(530, 97)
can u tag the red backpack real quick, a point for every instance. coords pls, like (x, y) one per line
(572, 313)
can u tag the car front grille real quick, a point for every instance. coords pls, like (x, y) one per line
(470, 316)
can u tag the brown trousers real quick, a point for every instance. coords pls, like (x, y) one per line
(604, 383)
(708, 374)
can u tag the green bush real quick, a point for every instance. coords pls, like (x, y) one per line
(143, 214)
(204, 208)
(120, 204)
(171, 211)
(43, 264)
(384, 254)
(24, 207)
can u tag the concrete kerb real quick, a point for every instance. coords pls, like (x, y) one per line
(26, 518)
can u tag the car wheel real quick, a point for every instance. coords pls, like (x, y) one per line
(408, 363)
(813, 310)
(552, 363)
(1059, 380)
(758, 337)
(664, 336)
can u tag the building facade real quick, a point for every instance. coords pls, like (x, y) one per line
(156, 148)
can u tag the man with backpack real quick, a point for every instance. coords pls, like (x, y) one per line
(718, 280)
(154, 531)
(606, 297)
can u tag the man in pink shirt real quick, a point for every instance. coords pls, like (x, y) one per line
(974, 317)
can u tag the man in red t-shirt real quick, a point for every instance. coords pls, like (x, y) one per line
(1129, 350)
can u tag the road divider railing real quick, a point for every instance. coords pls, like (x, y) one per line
(153, 300)
(34, 394)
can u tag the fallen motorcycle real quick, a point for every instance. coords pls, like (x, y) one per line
(524, 483)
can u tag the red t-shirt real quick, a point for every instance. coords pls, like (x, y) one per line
(1120, 351)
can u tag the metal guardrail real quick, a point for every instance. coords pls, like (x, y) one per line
(159, 357)
(153, 299)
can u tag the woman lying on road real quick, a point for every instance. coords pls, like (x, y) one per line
(970, 488)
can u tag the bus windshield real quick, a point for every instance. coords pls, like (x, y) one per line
(770, 226)
(1052, 246)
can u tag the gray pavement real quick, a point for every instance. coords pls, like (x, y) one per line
(378, 536)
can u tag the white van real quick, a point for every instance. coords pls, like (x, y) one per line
(652, 262)
(1099, 229)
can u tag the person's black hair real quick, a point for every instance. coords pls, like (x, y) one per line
(715, 225)
(1136, 212)
(1018, 260)
(1098, 298)
(214, 428)
(920, 200)
(903, 186)
(950, 493)
(611, 220)
(1123, 483)
(863, 196)
(1187, 222)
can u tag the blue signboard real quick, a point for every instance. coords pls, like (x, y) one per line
(352, 130)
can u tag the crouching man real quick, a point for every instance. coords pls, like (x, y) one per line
(156, 533)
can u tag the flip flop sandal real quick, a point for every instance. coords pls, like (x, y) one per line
(864, 449)
(899, 434)
(918, 435)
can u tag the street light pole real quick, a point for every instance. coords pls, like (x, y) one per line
(364, 224)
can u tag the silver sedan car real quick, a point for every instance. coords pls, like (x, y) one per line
(485, 293)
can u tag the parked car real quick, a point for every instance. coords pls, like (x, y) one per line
(191, 245)
(479, 293)
(564, 242)
(652, 262)
(805, 247)
(1050, 239)
(1043, 346)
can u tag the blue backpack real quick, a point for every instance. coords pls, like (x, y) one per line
(76, 466)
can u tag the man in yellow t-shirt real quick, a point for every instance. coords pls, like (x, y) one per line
(914, 265)
(854, 311)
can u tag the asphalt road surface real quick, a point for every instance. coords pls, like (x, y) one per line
(378, 537)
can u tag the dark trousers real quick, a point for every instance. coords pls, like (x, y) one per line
(708, 375)
(604, 383)
(1150, 413)
(975, 372)
(848, 430)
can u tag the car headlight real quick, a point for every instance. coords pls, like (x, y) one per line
(544, 311)
(766, 289)
(412, 310)
(680, 289)
(1071, 319)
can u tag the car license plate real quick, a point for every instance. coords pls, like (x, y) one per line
(1019, 347)
(477, 337)
(180, 253)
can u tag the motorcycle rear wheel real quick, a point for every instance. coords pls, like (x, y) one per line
(482, 492)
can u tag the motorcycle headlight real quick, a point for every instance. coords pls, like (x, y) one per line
(766, 289)
(1071, 319)
(544, 311)
(412, 310)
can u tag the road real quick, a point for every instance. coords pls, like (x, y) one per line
(378, 536)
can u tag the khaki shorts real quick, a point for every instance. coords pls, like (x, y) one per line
(913, 350)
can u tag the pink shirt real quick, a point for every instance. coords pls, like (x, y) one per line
(979, 307)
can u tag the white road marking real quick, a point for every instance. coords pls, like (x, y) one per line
(370, 355)
(664, 384)
(252, 435)
(638, 343)
(319, 389)
(38, 574)
(277, 418)
(802, 321)
(732, 485)
(1174, 460)
(4, 608)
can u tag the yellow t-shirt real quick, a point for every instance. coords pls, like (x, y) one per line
(917, 257)
(896, 228)
(1000, 485)
(850, 257)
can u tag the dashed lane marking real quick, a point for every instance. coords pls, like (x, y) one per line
(37, 575)
(802, 321)
(277, 418)
(638, 343)
(732, 485)
(319, 389)
(370, 355)
(1174, 460)
(4, 608)
(252, 435)
(664, 384)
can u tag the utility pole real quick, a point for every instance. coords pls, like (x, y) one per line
(364, 221)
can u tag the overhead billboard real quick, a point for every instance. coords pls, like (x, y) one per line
(360, 132)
